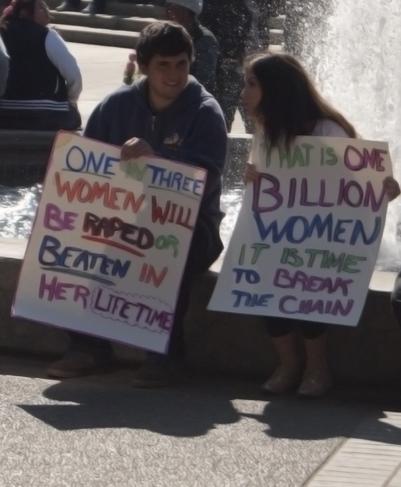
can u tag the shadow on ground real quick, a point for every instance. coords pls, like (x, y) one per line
(301, 419)
(179, 412)
(193, 409)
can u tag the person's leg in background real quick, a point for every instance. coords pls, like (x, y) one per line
(73, 5)
(95, 7)
(229, 86)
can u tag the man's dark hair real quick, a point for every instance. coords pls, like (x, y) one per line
(165, 39)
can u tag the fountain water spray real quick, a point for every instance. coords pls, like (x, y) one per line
(356, 60)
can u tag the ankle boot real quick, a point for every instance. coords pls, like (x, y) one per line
(316, 379)
(315, 383)
(283, 379)
(287, 374)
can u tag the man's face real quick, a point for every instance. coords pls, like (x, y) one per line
(167, 78)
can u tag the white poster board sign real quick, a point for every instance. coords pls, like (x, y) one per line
(109, 243)
(308, 233)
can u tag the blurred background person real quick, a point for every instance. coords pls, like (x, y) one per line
(231, 21)
(186, 13)
(44, 80)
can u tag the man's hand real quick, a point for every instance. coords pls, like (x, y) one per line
(134, 148)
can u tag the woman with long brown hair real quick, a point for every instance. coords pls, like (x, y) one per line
(284, 103)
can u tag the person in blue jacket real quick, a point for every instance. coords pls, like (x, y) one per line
(169, 114)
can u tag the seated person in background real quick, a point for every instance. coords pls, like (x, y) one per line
(4, 66)
(44, 80)
(206, 47)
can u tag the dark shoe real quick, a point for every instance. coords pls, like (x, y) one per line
(151, 375)
(77, 364)
(67, 6)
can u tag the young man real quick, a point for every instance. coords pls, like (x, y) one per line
(170, 114)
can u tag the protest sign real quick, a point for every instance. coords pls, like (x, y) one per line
(308, 233)
(109, 243)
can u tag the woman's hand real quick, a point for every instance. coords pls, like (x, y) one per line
(134, 148)
(391, 188)
(250, 174)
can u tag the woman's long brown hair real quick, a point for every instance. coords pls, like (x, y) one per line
(290, 105)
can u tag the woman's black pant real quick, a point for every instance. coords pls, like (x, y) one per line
(278, 327)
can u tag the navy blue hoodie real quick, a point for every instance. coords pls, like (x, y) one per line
(191, 130)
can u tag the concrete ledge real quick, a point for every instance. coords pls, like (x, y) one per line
(368, 354)
(224, 342)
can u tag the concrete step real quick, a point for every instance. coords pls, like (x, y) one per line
(113, 22)
(124, 34)
(105, 29)
(134, 23)
(104, 37)
(119, 32)
(122, 9)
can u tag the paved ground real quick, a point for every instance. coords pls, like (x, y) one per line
(102, 71)
(99, 431)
